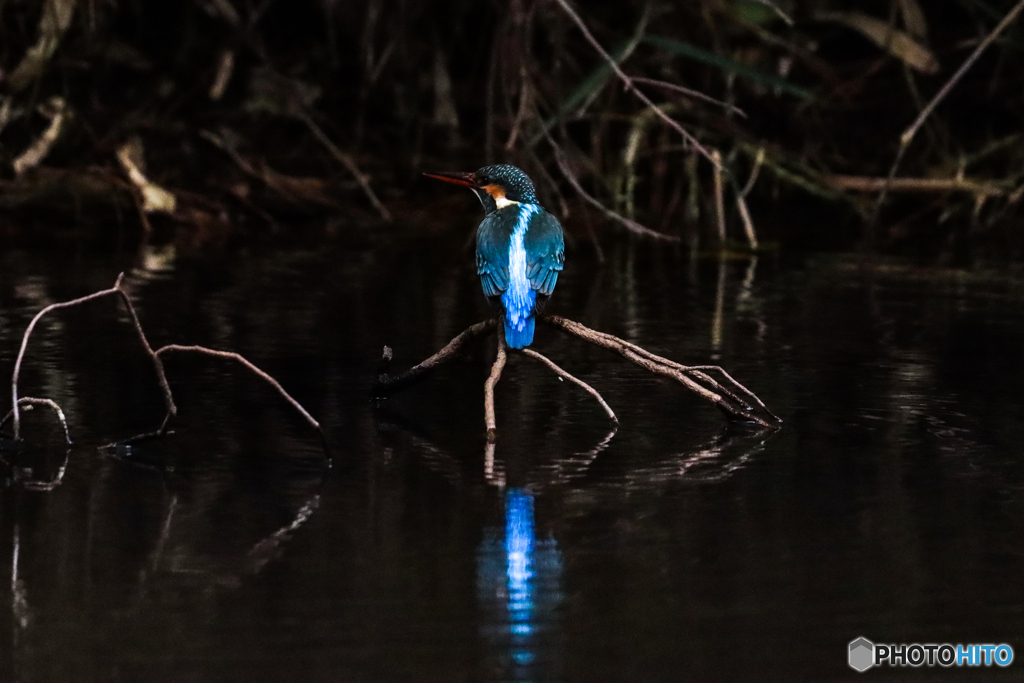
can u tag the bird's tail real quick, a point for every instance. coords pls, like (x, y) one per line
(520, 333)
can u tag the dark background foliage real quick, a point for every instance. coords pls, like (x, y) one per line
(271, 117)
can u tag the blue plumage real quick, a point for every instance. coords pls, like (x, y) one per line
(522, 336)
(519, 246)
(520, 298)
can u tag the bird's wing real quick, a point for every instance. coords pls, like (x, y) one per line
(492, 254)
(545, 252)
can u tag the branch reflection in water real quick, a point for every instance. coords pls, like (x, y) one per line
(520, 573)
(177, 553)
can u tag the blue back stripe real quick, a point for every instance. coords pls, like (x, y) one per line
(519, 298)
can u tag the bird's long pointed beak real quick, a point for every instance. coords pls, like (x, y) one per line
(455, 177)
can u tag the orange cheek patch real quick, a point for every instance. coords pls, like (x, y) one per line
(495, 191)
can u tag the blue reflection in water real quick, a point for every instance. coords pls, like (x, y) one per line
(519, 551)
(518, 581)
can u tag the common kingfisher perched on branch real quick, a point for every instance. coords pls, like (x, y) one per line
(519, 246)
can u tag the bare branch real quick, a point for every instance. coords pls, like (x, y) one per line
(748, 222)
(911, 132)
(492, 381)
(158, 365)
(580, 383)
(230, 355)
(346, 161)
(629, 224)
(57, 110)
(629, 84)
(697, 371)
(725, 399)
(689, 92)
(719, 184)
(115, 290)
(387, 383)
(741, 199)
(52, 405)
(754, 172)
(729, 395)
(869, 184)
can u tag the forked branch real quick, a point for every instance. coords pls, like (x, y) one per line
(628, 83)
(910, 133)
(154, 355)
(116, 290)
(730, 396)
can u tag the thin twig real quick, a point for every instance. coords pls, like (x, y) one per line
(629, 224)
(909, 133)
(158, 365)
(387, 383)
(628, 82)
(719, 185)
(575, 380)
(689, 92)
(732, 397)
(696, 371)
(748, 222)
(52, 405)
(492, 381)
(576, 109)
(57, 110)
(230, 355)
(225, 68)
(716, 368)
(741, 199)
(727, 401)
(346, 161)
(755, 172)
(870, 184)
(115, 290)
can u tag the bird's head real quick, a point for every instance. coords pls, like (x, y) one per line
(496, 186)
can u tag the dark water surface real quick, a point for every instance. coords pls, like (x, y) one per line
(891, 504)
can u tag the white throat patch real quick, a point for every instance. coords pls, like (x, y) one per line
(502, 202)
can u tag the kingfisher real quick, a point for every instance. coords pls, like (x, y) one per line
(519, 246)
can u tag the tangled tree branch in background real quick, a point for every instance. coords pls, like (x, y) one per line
(328, 106)
(910, 133)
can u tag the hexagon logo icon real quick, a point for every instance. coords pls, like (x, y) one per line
(862, 654)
